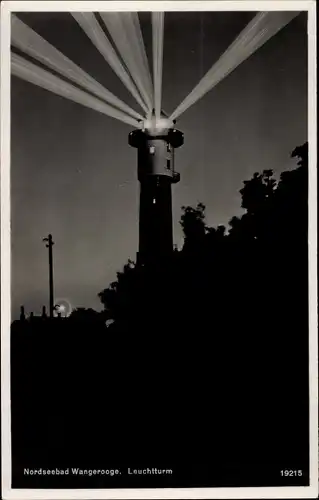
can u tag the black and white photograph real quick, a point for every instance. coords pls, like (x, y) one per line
(158, 250)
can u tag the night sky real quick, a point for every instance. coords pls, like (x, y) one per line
(73, 173)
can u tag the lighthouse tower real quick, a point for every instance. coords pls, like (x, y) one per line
(155, 142)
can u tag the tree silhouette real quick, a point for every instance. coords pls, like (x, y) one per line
(244, 280)
(193, 224)
(83, 314)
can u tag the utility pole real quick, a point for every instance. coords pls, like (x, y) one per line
(49, 245)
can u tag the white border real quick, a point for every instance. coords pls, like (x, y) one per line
(166, 5)
(158, 493)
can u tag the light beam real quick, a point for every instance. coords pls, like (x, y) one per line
(117, 25)
(32, 73)
(31, 43)
(261, 28)
(133, 31)
(89, 24)
(158, 42)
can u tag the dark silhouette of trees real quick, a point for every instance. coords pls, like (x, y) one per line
(241, 293)
(193, 224)
(208, 349)
(88, 315)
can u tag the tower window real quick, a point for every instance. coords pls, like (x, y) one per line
(152, 150)
(168, 147)
(168, 164)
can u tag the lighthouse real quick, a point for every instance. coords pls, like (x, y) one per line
(156, 140)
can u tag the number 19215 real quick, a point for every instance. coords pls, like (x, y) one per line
(290, 472)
